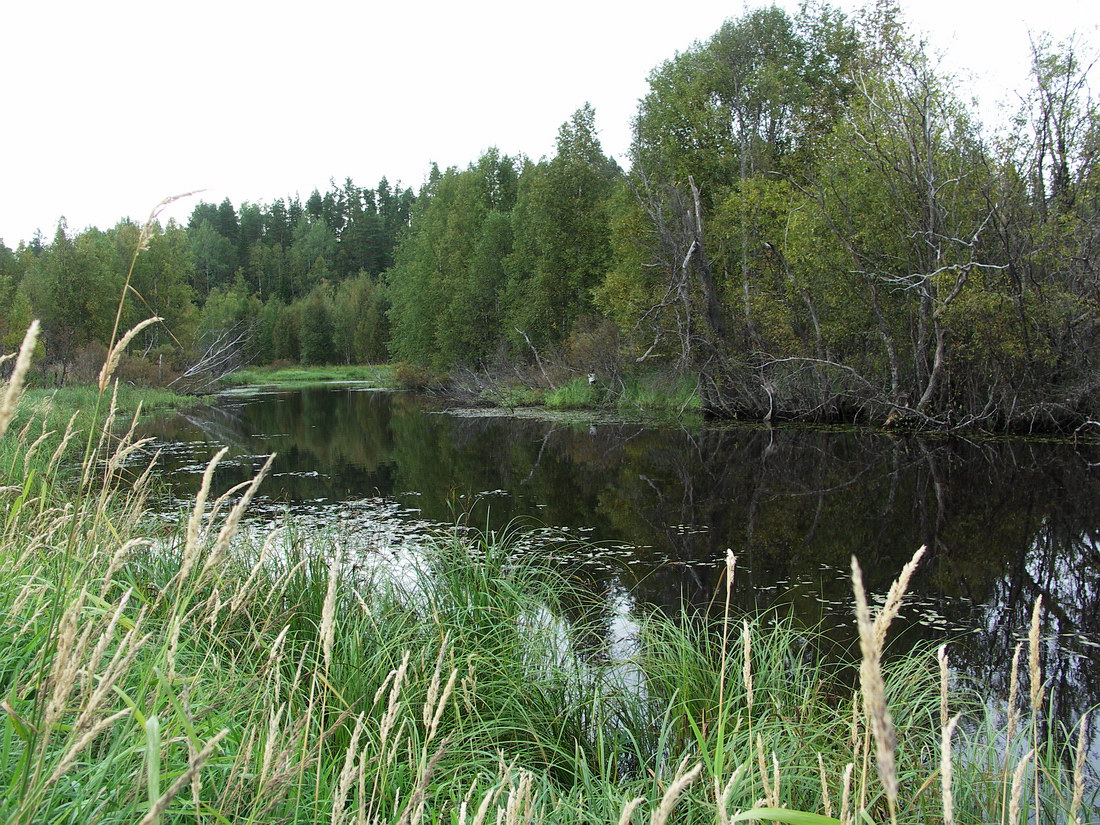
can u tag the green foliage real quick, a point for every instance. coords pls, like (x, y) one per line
(359, 328)
(160, 284)
(443, 301)
(471, 326)
(15, 316)
(266, 325)
(315, 329)
(562, 247)
(269, 271)
(378, 375)
(750, 99)
(511, 396)
(816, 212)
(16, 320)
(660, 393)
(312, 251)
(414, 377)
(73, 287)
(494, 251)
(228, 308)
(629, 286)
(285, 336)
(214, 257)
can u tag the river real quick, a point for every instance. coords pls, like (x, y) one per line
(645, 513)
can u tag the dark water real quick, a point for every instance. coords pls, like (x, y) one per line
(1004, 521)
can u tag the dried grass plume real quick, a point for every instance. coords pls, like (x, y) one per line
(14, 389)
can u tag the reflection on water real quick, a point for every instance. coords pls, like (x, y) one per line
(1004, 522)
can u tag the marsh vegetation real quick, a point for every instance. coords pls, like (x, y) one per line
(163, 673)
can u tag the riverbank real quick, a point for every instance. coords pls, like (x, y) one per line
(653, 396)
(51, 417)
(163, 674)
(670, 397)
(378, 375)
(83, 399)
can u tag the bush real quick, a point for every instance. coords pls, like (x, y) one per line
(671, 393)
(512, 395)
(415, 377)
(595, 345)
(154, 371)
(86, 364)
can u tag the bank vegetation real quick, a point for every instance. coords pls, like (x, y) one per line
(202, 671)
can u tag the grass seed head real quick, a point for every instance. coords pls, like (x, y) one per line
(1079, 770)
(1013, 689)
(872, 634)
(156, 811)
(668, 801)
(629, 808)
(194, 523)
(946, 770)
(232, 521)
(10, 402)
(328, 611)
(941, 658)
(1035, 671)
(746, 668)
(115, 353)
(846, 795)
(1017, 788)
(825, 800)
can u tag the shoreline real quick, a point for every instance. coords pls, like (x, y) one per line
(572, 401)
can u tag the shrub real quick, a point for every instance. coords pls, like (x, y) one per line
(415, 377)
(512, 395)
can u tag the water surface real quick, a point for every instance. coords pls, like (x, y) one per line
(1004, 521)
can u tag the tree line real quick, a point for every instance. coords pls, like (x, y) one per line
(248, 275)
(813, 222)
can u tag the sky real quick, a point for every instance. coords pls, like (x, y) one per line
(110, 107)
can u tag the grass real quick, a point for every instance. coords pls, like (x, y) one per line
(653, 395)
(661, 394)
(44, 419)
(512, 396)
(575, 394)
(66, 400)
(198, 675)
(381, 375)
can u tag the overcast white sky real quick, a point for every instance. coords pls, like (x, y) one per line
(111, 106)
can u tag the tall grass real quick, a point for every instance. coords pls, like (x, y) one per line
(657, 395)
(577, 393)
(661, 394)
(211, 676)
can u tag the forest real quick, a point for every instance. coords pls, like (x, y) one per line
(814, 224)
